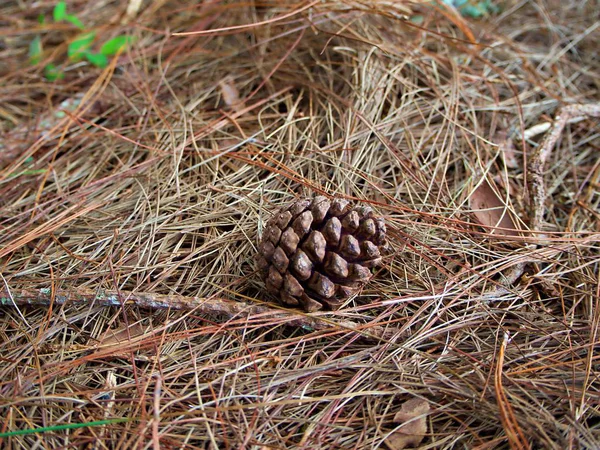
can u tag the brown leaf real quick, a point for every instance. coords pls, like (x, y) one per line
(490, 210)
(123, 339)
(509, 152)
(230, 94)
(133, 7)
(123, 334)
(413, 416)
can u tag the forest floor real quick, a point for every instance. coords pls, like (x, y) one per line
(136, 175)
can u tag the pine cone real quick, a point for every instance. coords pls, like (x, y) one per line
(316, 253)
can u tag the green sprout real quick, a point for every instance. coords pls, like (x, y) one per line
(79, 48)
(60, 13)
(115, 45)
(53, 73)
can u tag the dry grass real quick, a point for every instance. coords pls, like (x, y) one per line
(156, 180)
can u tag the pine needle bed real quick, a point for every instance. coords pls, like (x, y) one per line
(132, 199)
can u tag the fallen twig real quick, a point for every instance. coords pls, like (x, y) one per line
(538, 160)
(210, 306)
(537, 187)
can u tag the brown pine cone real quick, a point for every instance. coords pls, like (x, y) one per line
(316, 253)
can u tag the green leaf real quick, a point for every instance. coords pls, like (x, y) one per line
(41, 19)
(455, 3)
(53, 73)
(480, 9)
(60, 11)
(79, 46)
(115, 45)
(35, 50)
(471, 11)
(418, 19)
(97, 59)
(474, 9)
(75, 21)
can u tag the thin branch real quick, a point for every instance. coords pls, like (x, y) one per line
(211, 306)
(538, 160)
(537, 187)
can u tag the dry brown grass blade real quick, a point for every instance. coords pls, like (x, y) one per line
(52, 225)
(514, 433)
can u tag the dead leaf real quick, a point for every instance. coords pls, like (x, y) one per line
(490, 210)
(133, 7)
(230, 94)
(509, 152)
(413, 416)
(123, 340)
(535, 130)
(123, 334)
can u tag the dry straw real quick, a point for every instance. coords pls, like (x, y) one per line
(152, 179)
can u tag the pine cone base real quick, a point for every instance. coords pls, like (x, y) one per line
(314, 254)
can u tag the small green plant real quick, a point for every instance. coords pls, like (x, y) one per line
(79, 48)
